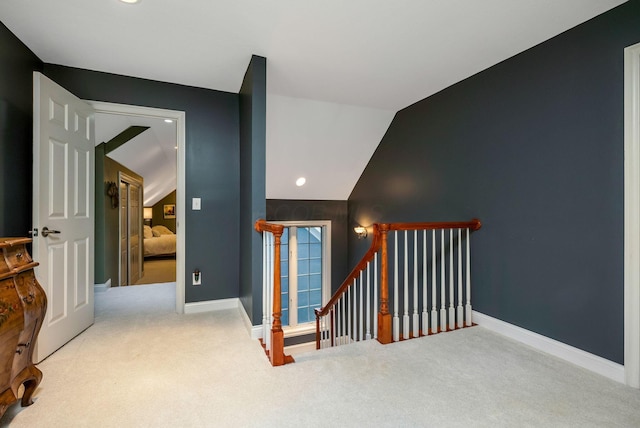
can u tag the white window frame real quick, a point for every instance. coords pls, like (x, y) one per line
(310, 327)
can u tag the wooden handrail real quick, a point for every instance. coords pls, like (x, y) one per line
(379, 242)
(362, 264)
(262, 226)
(378, 231)
(474, 224)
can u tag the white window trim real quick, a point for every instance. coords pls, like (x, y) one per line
(307, 328)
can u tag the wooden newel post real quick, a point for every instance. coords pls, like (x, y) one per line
(276, 350)
(384, 317)
(277, 336)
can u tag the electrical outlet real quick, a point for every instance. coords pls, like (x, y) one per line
(197, 277)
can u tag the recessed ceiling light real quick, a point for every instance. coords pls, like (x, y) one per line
(168, 120)
(130, 1)
(300, 181)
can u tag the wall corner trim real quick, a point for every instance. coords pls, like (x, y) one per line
(631, 214)
(255, 331)
(553, 347)
(211, 305)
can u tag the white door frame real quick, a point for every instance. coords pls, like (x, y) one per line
(179, 117)
(632, 215)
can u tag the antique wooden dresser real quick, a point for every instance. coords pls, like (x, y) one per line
(22, 309)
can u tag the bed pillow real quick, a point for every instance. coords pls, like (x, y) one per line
(161, 230)
(148, 233)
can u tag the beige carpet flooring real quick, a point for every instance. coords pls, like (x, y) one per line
(142, 365)
(158, 270)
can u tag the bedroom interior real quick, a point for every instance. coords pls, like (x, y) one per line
(142, 151)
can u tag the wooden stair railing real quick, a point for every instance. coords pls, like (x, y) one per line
(273, 340)
(335, 320)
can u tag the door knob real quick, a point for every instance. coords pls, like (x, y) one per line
(46, 232)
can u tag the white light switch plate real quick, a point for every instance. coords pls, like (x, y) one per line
(195, 204)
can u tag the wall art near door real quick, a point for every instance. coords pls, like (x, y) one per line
(169, 211)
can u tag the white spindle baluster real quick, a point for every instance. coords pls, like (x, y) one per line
(405, 315)
(459, 311)
(434, 302)
(443, 310)
(368, 334)
(361, 311)
(416, 317)
(329, 326)
(264, 282)
(468, 311)
(269, 291)
(327, 329)
(396, 320)
(342, 319)
(349, 315)
(452, 311)
(375, 296)
(355, 310)
(334, 321)
(425, 287)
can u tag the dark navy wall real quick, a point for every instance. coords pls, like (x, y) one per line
(534, 148)
(335, 211)
(17, 64)
(253, 128)
(212, 167)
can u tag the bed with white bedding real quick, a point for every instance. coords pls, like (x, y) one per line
(159, 241)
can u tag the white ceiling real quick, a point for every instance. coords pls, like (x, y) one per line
(151, 154)
(366, 58)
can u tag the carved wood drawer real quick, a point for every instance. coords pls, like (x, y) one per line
(15, 253)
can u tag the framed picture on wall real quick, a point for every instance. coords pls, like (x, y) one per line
(169, 211)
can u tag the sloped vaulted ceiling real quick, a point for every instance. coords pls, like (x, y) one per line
(337, 70)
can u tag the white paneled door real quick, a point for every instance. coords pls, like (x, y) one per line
(63, 217)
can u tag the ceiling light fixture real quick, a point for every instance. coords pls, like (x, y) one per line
(300, 181)
(168, 120)
(130, 1)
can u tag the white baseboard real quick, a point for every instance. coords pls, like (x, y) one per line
(558, 349)
(211, 305)
(255, 331)
(102, 287)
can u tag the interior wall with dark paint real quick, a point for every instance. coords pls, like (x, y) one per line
(253, 128)
(212, 167)
(534, 148)
(336, 212)
(17, 64)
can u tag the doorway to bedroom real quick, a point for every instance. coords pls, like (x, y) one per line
(140, 155)
(147, 143)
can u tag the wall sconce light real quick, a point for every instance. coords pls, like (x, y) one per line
(112, 192)
(360, 231)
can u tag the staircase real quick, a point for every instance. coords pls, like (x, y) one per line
(430, 267)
